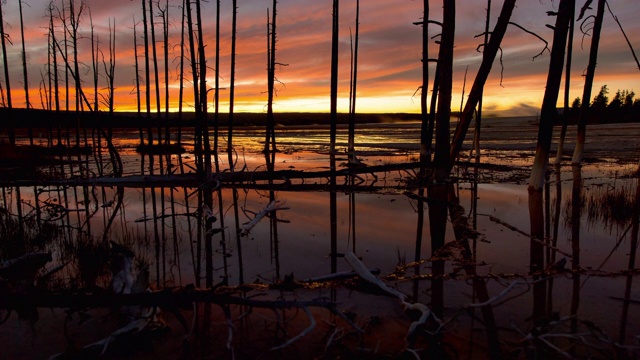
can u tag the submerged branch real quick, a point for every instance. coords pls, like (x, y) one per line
(513, 228)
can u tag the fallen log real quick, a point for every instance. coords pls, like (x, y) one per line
(363, 272)
(222, 178)
(273, 206)
(343, 275)
(168, 298)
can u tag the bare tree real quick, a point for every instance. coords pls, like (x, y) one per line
(567, 88)
(94, 61)
(588, 83)
(196, 88)
(548, 118)
(334, 75)
(442, 160)
(424, 111)
(72, 30)
(165, 37)
(147, 77)
(438, 191)
(488, 56)
(55, 64)
(270, 138)
(25, 75)
(232, 86)
(109, 69)
(549, 113)
(4, 38)
(181, 75)
(137, 79)
(476, 134)
(155, 68)
(354, 87)
(216, 90)
(203, 93)
(49, 70)
(63, 18)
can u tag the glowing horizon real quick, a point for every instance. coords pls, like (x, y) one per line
(389, 67)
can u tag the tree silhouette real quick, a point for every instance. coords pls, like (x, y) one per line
(549, 114)
(588, 83)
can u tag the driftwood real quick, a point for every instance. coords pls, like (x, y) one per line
(343, 275)
(223, 178)
(169, 298)
(99, 348)
(273, 206)
(364, 273)
(24, 267)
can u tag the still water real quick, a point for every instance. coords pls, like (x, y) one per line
(570, 293)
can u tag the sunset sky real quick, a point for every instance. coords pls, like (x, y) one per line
(389, 59)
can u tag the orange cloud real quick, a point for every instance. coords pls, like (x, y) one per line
(389, 58)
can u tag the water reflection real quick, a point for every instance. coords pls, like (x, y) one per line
(495, 288)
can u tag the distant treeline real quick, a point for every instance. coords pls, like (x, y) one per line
(52, 119)
(622, 108)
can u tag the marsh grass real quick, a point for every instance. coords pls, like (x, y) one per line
(18, 238)
(612, 207)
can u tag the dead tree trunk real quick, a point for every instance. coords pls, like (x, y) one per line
(74, 23)
(94, 68)
(354, 87)
(476, 134)
(425, 156)
(537, 178)
(147, 79)
(135, 55)
(24, 60)
(432, 112)
(588, 84)
(445, 61)
(488, 57)
(110, 69)
(271, 75)
(165, 37)
(196, 90)
(24, 71)
(203, 93)
(49, 71)
(4, 36)
(438, 209)
(216, 95)
(567, 87)
(181, 85)
(334, 76)
(154, 52)
(66, 69)
(94, 62)
(548, 113)
(232, 83)
(54, 53)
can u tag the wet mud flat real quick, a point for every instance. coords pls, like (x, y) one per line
(243, 281)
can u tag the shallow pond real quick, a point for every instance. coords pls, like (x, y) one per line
(569, 292)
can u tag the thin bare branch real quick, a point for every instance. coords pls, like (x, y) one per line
(546, 44)
(624, 34)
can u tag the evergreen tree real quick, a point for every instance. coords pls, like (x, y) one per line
(601, 100)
